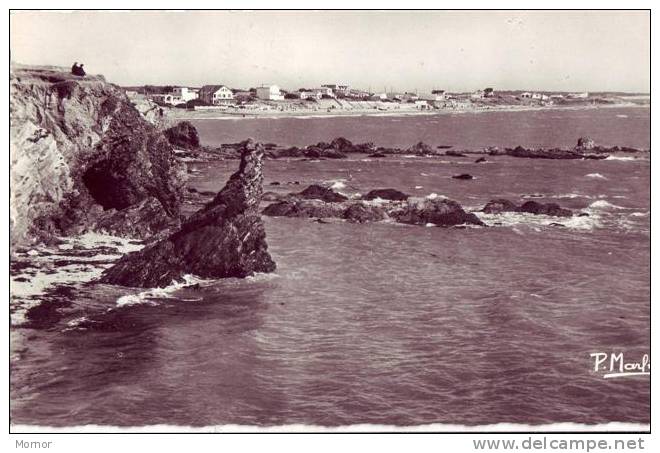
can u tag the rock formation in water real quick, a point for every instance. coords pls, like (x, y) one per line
(464, 176)
(437, 211)
(386, 194)
(555, 153)
(531, 207)
(393, 205)
(83, 158)
(316, 192)
(183, 136)
(585, 144)
(226, 238)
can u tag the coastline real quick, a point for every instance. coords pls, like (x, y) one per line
(180, 114)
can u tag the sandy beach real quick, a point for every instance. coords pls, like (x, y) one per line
(175, 114)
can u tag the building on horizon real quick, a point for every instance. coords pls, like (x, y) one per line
(269, 93)
(338, 90)
(439, 95)
(185, 94)
(216, 94)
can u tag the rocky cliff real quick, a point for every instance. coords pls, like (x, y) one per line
(83, 158)
(226, 238)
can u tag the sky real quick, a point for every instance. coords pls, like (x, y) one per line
(376, 50)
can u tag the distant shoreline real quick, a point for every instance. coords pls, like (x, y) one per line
(180, 114)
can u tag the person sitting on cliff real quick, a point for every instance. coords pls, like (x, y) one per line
(78, 70)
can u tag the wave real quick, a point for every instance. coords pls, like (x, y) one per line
(595, 175)
(75, 260)
(603, 204)
(536, 221)
(624, 158)
(148, 296)
(339, 184)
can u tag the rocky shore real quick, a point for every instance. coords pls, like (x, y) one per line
(83, 158)
(392, 205)
(342, 148)
(86, 159)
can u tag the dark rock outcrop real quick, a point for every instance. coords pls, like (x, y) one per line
(555, 153)
(585, 144)
(480, 160)
(183, 136)
(316, 192)
(552, 209)
(500, 205)
(386, 194)
(79, 151)
(421, 149)
(226, 238)
(304, 208)
(531, 207)
(438, 211)
(464, 176)
(361, 213)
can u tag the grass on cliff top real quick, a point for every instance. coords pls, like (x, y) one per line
(50, 74)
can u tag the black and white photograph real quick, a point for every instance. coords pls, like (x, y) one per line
(329, 221)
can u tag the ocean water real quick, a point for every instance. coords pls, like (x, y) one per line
(378, 323)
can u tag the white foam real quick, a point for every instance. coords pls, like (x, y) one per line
(338, 185)
(595, 175)
(620, 158)
(513, 219)
(433, 196)
(146, 297)
(46, 273)
(603, 204)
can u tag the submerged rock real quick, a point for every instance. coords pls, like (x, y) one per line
(480, 160)
(463, 176)
(386, 194)
(184, 135)
(226, 238)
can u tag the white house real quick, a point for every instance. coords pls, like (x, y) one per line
(409, 97)
(270, 93)
(439, 95)
(338, 89)
(311, 94)
(166, 98)
(216, 94)
(422, 104)
(185, 94)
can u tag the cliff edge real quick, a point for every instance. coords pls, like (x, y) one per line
(84, 159)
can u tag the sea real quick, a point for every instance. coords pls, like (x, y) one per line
(367, 324)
